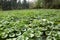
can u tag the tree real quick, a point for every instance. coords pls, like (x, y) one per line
(48, 3)
(39, 3)
(4, 4)
(56, 4)
(25, 4)
(0, 2)
(19, 5)
(13, 4)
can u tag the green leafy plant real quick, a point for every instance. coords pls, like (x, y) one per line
(29, 29)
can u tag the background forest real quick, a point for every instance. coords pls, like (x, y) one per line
(13, 4)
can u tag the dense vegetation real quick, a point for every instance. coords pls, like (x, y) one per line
(32, 24)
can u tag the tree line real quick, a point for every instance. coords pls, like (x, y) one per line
(13, 4)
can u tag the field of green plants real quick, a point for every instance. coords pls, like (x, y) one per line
(32, 24)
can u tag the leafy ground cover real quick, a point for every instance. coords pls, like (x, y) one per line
(38, 24)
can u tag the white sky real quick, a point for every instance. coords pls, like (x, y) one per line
(27, 0)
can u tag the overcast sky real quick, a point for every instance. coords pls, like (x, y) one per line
(27, 0)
